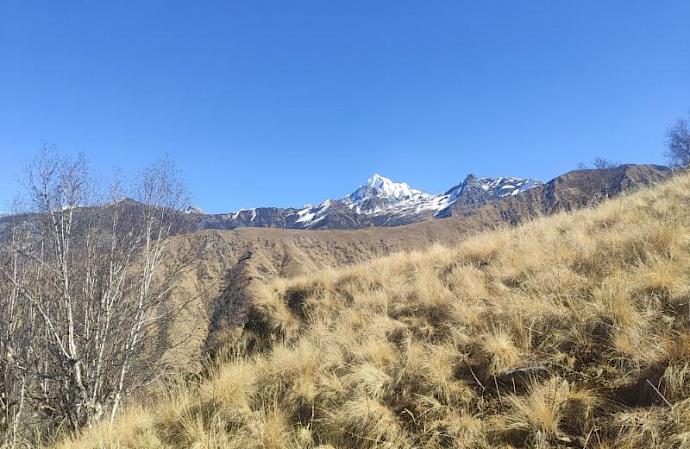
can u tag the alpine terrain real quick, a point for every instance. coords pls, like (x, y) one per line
(566, 331)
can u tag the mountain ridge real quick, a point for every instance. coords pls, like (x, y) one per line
(379, 201)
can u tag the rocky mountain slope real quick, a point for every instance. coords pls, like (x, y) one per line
(567, 192)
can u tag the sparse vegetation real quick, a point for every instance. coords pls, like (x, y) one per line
(598, 163)
(678, 141)
(602, 163)
(570, 331)
(84, 286)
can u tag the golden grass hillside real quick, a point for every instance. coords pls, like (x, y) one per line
(210, 286)
(570, 331)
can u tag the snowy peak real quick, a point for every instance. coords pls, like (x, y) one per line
(381, 187)
(378, 182)
(385, 187)
(380, 195)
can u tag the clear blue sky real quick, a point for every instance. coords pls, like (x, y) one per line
(283, 103)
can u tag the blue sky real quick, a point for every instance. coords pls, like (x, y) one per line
(284, 103)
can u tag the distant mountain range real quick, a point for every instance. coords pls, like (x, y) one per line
(377, 202)
(381, 202)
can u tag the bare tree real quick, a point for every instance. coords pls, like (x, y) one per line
(678, 142)
(601, 163)
(16, 350)
(598, 163)
(162, 195)
(84, 284)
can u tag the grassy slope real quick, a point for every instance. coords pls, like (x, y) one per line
(211, 284)
(572, 330)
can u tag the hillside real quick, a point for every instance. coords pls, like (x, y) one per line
(222, 278)
(230, 264)
(569, 331)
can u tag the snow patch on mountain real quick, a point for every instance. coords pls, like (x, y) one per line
(312, 214)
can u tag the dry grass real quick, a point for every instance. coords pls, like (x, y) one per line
(570, 331)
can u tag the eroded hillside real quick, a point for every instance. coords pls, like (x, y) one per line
(570, 331)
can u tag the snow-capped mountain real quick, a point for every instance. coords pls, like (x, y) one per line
(379, 196)
(378, 193)
(379, 201)
(398, 202)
